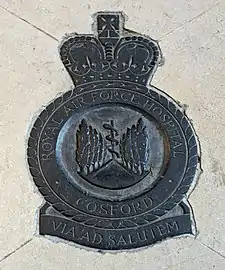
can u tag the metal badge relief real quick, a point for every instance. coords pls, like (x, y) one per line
(115, 158)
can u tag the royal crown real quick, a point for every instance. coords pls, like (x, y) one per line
(112, 54)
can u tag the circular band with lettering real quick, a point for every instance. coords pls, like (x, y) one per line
(152, 197)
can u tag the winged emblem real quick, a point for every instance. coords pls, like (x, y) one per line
(134, 148)
(91, 151)
(130, 151)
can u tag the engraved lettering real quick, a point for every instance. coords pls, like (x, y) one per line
(121, 241)
(123, 96)
(71, 232)
(93, 96)
(112, 240)
(52, 130)
(162, 229)
(57, 122)
(46, 137)
(81, 101)
(170, 124)
(91, 206)
(85, 236)
(136, 206)
(147, 202)
(92, 236)
(104, 209)
(47, 146)
(55, 226)
(131, 240)
(152, 234)
(63, 229)
(148, 105)
(176, 144)
(113, 208)
(157, 111)
(114, 95)
(97, 239)
(177, 153)
(125, 209)
(47, 156)
(67, 110)
(79, 201)
(165, 117)
(104, 95)
(133, 99)
(172, 226)
(174, 134)
(142, 236)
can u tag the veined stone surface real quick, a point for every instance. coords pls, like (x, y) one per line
(191, 36)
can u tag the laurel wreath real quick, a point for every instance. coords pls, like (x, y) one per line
(52, 198)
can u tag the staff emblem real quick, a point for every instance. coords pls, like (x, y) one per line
(129, 150)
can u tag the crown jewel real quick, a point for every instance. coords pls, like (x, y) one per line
(112, 53)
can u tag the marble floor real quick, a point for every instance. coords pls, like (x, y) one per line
(191, 34)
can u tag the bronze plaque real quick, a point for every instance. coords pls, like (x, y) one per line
(115, 158)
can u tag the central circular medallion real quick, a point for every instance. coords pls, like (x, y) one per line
(112, 151)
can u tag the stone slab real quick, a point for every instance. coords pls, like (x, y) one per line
(27, 79)
(157, 17)
(185, 254)
(193, 74)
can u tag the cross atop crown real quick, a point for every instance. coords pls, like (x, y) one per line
(112, 53)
